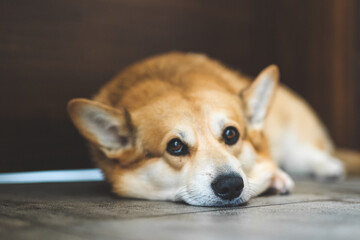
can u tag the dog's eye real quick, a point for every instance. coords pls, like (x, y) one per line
(230, 135)
(176, 147)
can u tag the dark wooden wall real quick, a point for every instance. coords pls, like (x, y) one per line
(52, 51)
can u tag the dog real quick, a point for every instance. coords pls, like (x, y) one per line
(183, 127)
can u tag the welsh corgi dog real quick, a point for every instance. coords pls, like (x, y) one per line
(183, 127)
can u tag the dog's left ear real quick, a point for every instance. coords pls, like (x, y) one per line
(259, 95)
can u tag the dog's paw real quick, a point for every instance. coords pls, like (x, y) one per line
(330, 170)
(282, 183)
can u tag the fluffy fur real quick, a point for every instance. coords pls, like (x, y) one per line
(193, 98)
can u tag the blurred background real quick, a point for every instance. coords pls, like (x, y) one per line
(52, 51)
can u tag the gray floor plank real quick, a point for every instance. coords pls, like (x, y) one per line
(90, 211)
(311, 220)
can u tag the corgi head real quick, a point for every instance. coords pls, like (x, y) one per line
(197, 143)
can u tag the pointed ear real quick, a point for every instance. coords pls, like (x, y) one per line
(107, 127)
(260, 94)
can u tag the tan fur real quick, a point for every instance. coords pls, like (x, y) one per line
(179, 95)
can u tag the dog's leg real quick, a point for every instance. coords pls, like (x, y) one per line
(267, 175)
(307, 160)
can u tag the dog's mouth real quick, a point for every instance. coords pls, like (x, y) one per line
(232, 203)
(218, 202)
(213, 200)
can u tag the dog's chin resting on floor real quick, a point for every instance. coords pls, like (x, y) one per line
(183, 127)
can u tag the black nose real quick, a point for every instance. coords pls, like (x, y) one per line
(228, 186)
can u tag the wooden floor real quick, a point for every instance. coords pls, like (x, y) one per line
(89, 211)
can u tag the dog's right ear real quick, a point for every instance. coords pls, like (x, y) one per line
(109, 128)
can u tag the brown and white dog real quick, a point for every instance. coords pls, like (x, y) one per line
(183, 127)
